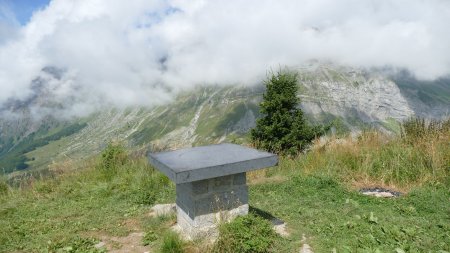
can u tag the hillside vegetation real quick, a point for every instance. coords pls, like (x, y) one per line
(354, 99)
(316, 194)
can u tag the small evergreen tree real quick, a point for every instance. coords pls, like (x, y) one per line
(283, 128)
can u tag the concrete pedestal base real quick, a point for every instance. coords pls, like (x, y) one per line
(202, 205)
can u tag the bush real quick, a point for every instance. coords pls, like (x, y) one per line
(112, 158)
(172, 243)
(246, 234)
(283, 128)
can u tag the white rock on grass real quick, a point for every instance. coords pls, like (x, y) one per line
(379, 194)
(306, 249)
(163, 209)
(281, 229)
(99, 245)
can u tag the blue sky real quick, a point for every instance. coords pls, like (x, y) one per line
(23, 9)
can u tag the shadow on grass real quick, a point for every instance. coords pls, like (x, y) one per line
(265, 215)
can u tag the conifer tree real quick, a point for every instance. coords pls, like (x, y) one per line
(282, 128)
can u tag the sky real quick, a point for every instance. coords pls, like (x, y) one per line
(23, 9)
(142, 52)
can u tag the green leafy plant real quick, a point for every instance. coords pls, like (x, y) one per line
(112, 158)
(246, 234)
(149, 237)
(283, 128)
(76, 244)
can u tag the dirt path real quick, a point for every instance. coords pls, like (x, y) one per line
(127, 244)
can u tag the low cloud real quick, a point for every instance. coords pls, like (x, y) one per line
(128, 53)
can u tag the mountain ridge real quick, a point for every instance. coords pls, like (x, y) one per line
(357, 98)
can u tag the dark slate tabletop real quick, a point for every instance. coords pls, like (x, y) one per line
(198, 163)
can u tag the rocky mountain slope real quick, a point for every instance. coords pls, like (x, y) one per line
(355, 98)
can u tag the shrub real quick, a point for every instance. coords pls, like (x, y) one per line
(172, 243)
(246, 234)
(283, 128)
(112, 158)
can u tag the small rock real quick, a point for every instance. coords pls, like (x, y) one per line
(306, 249)
(303, 238)
(279, 226)
(163, 209)
(380, 192)
(281, 229)
(99, 245)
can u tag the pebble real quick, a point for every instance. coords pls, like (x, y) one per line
(99, 245)
(380, 192)
(306, 249)
(281, 230)
(163, 209)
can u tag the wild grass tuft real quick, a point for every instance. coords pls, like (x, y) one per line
(4, 188)
(420, 156)
(172, 243)
(417, 128)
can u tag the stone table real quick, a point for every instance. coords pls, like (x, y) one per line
(210, 183)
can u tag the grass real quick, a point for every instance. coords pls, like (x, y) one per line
(333, 217)
(315, 193)
(374, 158)
(246, 234)
(172, 243)
(15, 159)
(55, 213)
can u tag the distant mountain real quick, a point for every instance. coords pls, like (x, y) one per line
(353, 98)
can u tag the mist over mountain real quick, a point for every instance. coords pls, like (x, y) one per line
(353, 98)
(143, 53)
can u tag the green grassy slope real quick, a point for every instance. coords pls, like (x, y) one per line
(14, 157)
(316, 194)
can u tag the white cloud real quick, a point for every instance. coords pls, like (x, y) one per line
(139, 52)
